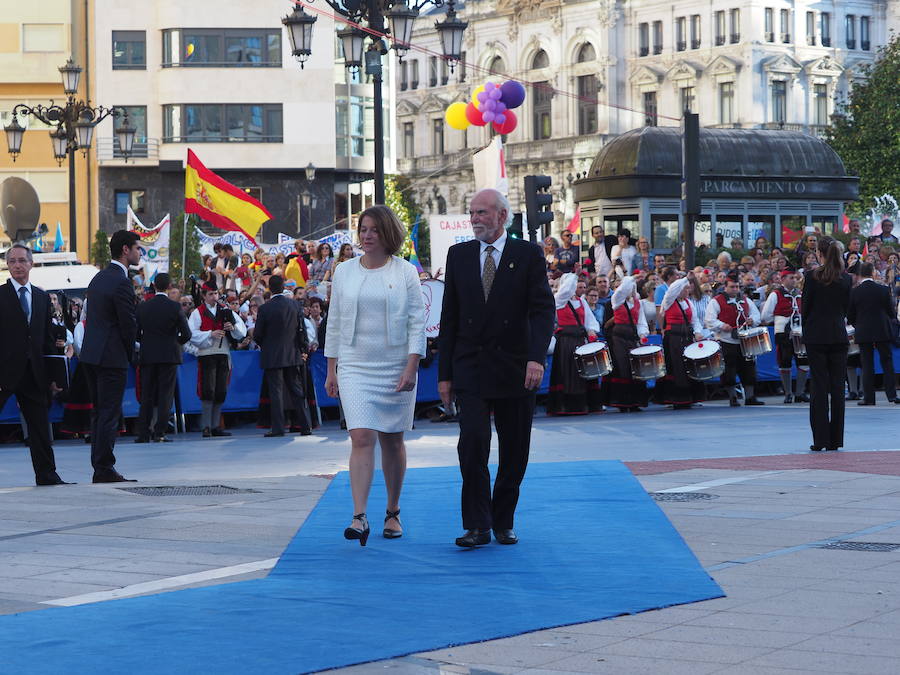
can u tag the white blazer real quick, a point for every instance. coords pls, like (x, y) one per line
(405, 309)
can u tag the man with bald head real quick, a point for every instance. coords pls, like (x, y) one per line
(496, 322)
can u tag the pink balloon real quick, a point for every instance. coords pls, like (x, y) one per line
(487, 116)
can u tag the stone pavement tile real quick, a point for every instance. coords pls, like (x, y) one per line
(869, 629)
(18, 606)
(22, 571)
(559, 639)
(677, 650)
(613, 664)
(845, 644)
(740, 619)
(892, 617)
(730, 636)
(615, 627)
(804, 603)
(163, 568)
(50, 560)
(491, 653)
(851, 584)
(104, 577)
(747, 575)
(47, 589)
(828, 662)
(763, 670)
(666, 615)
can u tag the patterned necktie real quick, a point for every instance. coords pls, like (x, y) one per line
(23, 300)
(490, 270)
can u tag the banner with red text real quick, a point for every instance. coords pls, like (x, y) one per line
(444, 231)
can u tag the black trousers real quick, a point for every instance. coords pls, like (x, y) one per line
(736, 364)
(157, 393)
(278, 380)
(213, 375)
(867, 361)
(827, 368)
(512, 419)
(33, 402)
(107, 387)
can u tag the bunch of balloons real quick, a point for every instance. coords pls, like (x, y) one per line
(491, 104)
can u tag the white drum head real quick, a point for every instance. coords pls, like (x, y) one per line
(699, 350)
(644, 351)
(591, 348)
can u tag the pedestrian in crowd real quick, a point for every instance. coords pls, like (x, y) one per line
(601, 251)
(667, 275)
(375, 340)
(624, 251)
(322, 263)
(496, 325)
(629, 328)
(310, 254)
(551, 245)
(296, 268)
(887, 229)
(824, 304)
(108, 350)
(213, 328)
(24, 342)
(644, 258)
(782, 308)
(226, 265)
(161, 331)
(598, 308)
(870, 313)
(566, 256)
(681, 327)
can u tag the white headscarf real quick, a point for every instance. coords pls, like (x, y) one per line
(624, 291)
(566, 290)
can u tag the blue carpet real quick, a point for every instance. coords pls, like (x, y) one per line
(594, 546)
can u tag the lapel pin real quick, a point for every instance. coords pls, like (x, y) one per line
(511, 265)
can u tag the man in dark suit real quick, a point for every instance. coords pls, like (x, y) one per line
(279, 324)
(162, 329)
(24, 341)
(108, 349)
(496, 323)
(870, 314)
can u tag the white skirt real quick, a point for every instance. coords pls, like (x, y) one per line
(368, 397)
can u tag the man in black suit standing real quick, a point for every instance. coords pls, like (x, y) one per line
(108, 348)
(162, 330)
(279, 325)
(24, 341)
(496, 323)
(870, 314)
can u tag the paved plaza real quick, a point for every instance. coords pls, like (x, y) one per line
(799, 542)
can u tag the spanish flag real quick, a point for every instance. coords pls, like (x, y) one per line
(224, 205)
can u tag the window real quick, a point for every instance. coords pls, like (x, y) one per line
(735, 16)
(43, 37)
(657, 37)
(779, 101)
(540, 60)
(445, 72)
(437, 137)
(587, 104)
(726, 103)
(687, 99)
(432, 71)
(218, 123)
(409, 140)
(864, 42)
(663, 231)
(586, 53)
(414, 74)
(810, 28)
(129, 50)
(350, 128)
(825, 224)
(404, 76)
(702, 231)
(680, 34)
(770, 24)
(650, 119)
(137, 117)
(820, 96)
(785, 25)
(498, 67)
(695, 31)
(222, 47)
(126, 198)
(850, 31)
(720, 28)
(543, 96)
(825, 28)
(759, 226)
(644, 39)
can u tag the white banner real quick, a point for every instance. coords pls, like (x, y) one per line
(285, 244)
(489, 166)
(154, 244)
(444, 231)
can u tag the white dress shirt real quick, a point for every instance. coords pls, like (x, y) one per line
(711, 320)
(498, 251)
(602, 263)
(29, 294)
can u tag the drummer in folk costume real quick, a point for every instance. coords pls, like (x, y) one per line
(681, 327)
(783, 308)
(576, 324)
(629, 327)
(726, 314)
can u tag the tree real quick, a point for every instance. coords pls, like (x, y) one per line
(865, 131)
(100, 249)
(398, 196)
(193, 261)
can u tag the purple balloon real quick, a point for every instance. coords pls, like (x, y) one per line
(490, 104)
(499, 106)
(512, 94)
(495, 93)
(487, 116)
(499, 119)
(482, 96)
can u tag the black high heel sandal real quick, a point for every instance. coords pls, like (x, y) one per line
(353, 533)
(390, 533)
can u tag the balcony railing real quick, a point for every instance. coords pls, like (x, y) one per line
(811, 40)
(864, 45)
(695, 44)
(786, 38)
(826, 41)
(720, 40)
(657, 49)
(108, 148)
(770, 37)
(811, 129)
(644, 51)
(735, 38)
(851, 44)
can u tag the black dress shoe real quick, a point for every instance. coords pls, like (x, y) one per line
(218, 431)
(864, 403)
(754, 401)
(896, 400)
(162, 439)
(142, 439)
(474, 538)
(816, 448)
(206, 432)
(506, 537)
(114, 477)
(272, 434)
(788, 398)
(51, 481)
(306, 433)
(802, 398)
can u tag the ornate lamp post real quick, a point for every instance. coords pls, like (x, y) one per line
(73, 130)
(401, 15)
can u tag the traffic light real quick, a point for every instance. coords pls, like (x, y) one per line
(515, 227)
(537, 204)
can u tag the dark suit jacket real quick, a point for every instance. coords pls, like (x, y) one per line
(485, 346)
(278, 323)
(20, 338)
(161, 330)
(823, 310)
(111, 326)
(870, 312)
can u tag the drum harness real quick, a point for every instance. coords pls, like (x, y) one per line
(743, 319)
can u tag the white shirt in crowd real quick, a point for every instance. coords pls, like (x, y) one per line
(602, 263)
(767, 315)
(626, 294)
(203, 338)
(627, 255)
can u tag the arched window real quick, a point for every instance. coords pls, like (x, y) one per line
(498, 67)
(540, 60)
(586, 53)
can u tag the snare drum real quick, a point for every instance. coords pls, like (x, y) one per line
(797, 340)
(853, 348)
(754, 342)
(703, 360)
(647, 363)
(592, 361)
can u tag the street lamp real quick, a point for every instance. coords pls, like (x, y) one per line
(401, 15)
(73, 130)
(310, 172)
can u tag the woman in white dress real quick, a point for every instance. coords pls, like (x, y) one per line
(375, 336)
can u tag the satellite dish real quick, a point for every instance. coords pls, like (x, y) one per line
(20, 208)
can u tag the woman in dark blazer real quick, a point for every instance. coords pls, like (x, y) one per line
(826, 297)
